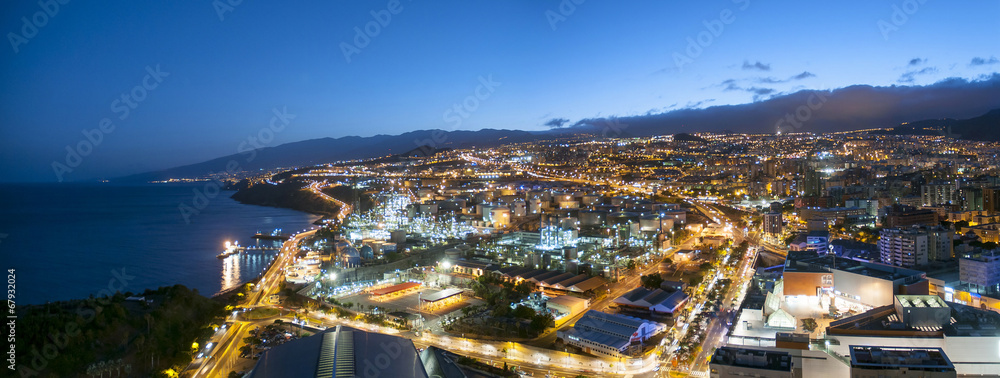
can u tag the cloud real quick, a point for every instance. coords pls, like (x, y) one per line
(695, 104)
(909, 76)
(756, 66)
(774, 80)
(849, 108)
(916, 62)
(803, 75)
(761, 92)
(556, 122)
(977, 61)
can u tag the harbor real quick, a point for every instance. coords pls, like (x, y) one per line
(234, 248)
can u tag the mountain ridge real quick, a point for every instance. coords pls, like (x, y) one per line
(849, 108)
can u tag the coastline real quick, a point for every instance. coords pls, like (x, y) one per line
(151, 240)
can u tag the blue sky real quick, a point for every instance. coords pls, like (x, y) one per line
(227, 75)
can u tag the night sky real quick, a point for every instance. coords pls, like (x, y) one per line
(224, 71)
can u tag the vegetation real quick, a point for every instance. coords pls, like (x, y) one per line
(499, 295)
(261, 313)
(475, 364)
(287, 194)
(114, 336)
(651, 281)
(809, 324)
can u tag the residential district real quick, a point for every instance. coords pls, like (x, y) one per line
(856, 254)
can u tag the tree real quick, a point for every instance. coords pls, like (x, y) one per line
(705, 267)
(523, 312)
(695, 281)
(651, 281)
(311, 305)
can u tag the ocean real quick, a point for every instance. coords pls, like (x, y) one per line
(68, 241)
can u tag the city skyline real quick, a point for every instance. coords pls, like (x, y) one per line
(225, 69)
(545, 188)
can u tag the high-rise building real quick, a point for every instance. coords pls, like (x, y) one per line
(991, 199)
(772, 224)
(903, 247)
(938, 193)
(940, 242)
(971, 198)
(812, 186)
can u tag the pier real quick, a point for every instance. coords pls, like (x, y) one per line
(233, 249)
(271, 236)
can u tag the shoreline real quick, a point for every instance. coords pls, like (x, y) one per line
(176, 255)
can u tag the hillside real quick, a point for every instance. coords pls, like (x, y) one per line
(983, 128)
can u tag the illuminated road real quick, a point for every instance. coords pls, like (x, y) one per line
(718, 326)
(534, 359)
(227, 352)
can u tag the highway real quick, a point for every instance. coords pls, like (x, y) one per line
(226, 351)
(718, 326)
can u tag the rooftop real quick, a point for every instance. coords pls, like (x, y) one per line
(879, 358)
(340, 351)
(752, 358)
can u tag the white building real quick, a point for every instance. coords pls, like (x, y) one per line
(983, 270)
(609, 335)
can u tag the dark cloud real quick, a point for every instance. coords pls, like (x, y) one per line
(774, 80)
(556, 122)
(756, 66)
(850, 108)
(760, 92)
(757, 92)
(916, 62)
(803, 75)
(695, 104)
(909, 76)
(977, 61)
